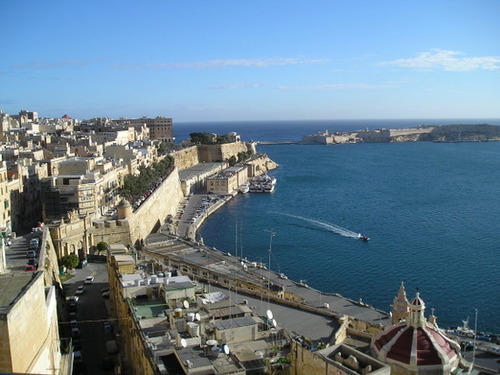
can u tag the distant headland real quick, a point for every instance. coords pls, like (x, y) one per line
(424, 133)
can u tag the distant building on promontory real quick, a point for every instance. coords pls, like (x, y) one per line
(327, 138)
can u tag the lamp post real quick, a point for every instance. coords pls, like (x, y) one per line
(271, 235)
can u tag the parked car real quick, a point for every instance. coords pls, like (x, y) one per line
(33, 244)
(33, 262)
(89, 280)
(29, 268)
(80, 290)
(75, 332)
(108, 328)
(31, 253)
(72, 307)
(73, 299)
(78, 356)
(107, 363)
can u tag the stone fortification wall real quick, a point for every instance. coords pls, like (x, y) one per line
(410, 131)
(222, 152)
(186, 158)
(48, 260)
(260, 164)
(153, 212)
(191, 156)
(111, 232)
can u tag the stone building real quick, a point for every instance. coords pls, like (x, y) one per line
(159, 127)
(415, 345)
(29, 334)
(227, 181)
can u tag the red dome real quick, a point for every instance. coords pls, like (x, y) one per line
(428, 345)
(417, 301)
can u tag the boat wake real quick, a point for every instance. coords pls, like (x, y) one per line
(328, 226)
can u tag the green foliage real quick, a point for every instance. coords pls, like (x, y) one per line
(284, 360)
(70, 261)
(102, 246)
(208, 138)
(201, 138)
(135, 186)
(242, 156)
(232, 160)
(165, 147)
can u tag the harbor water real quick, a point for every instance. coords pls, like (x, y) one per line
(430, 209)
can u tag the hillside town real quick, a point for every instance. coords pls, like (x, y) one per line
(102, 269)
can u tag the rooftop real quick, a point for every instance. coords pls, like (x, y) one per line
(11, 286)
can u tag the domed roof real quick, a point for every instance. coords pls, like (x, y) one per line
(416, 343)
(417, 301)
(421, 345)
(124, 203)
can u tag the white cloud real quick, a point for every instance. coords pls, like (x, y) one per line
(51, 64)
(228, 63)
(447, 60)
(232, 86)
(337, 86)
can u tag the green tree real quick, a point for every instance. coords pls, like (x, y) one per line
(232, 160)
(102, 246)
(70, 261)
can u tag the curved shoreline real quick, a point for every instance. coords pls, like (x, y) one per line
(301, 290)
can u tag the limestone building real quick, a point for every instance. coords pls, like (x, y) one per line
(29, 335)
(415, 345)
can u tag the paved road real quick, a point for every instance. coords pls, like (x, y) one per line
(91, 314)
(16, 253)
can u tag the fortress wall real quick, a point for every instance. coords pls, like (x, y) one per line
(222, 152)
(186, 158)
(260, 165)
(153, 212)
(410, 131)
(230, 149)
(111, 232)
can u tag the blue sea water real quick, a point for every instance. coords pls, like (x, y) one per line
(430, 209)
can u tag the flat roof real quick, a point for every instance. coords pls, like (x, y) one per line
(244, 321)
(12, 285)
(198, 169)
(195, 357)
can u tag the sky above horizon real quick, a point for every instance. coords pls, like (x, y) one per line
(251, 60)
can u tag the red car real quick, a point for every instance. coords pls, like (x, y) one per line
(30, 268)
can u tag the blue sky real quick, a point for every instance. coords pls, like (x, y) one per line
(251, 60)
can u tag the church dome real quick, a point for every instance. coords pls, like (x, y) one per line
(415, 346)
(417, 301)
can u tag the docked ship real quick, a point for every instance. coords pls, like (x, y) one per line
(262, 184)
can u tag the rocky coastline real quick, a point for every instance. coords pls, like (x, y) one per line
(424, 133)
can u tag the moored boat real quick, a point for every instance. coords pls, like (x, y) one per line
(244, 188)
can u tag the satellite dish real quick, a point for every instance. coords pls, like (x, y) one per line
(186, 304)
(197, 317)
(184, 343)
(226, 349)
(275, 324)
(269, 314)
